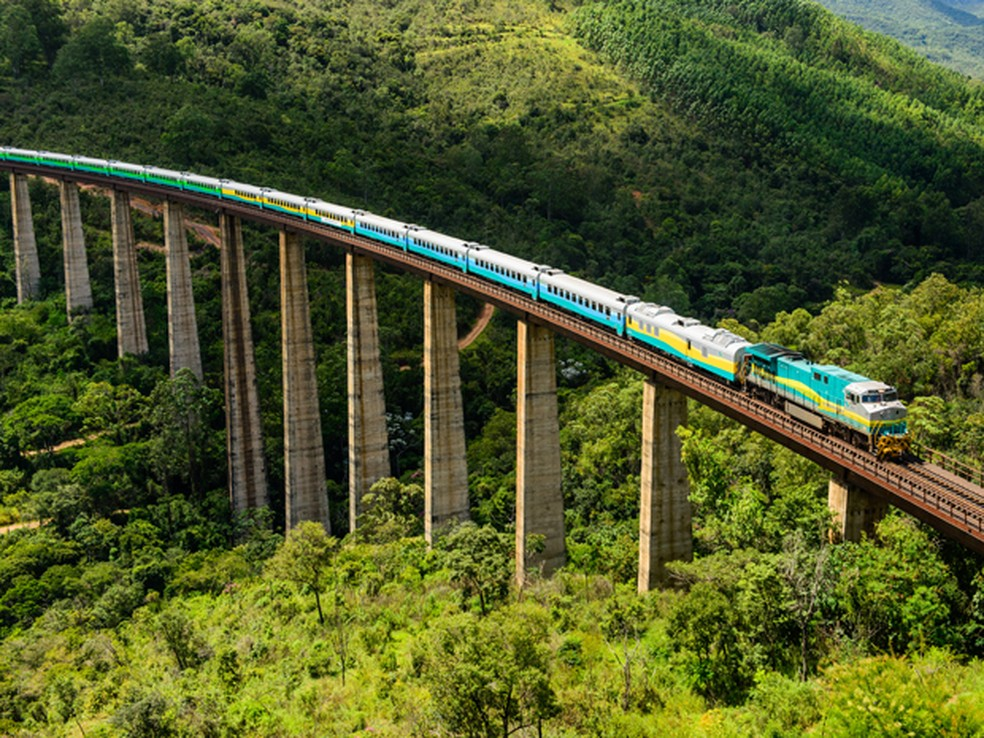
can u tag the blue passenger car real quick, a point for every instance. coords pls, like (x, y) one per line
(382, 229)
(445, 249)
(597, 304)
(505, 269)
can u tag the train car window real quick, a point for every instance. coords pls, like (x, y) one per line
(816, 376)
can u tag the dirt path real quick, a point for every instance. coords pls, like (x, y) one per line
(66, 444)
(483, 320)
(15, 526)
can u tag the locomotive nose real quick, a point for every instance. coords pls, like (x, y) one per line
(889, 411)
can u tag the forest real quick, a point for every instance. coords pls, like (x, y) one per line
(759, 164)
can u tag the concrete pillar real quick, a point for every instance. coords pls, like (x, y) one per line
(664, 512)
(856, 512)
(445, 466)
(304, 452)
(539, 502)
(131, 330)
(368, 440)
(78, 290)
(244, 441)
(182, 329)
(25, 246)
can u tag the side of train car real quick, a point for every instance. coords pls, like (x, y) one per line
(829, 398)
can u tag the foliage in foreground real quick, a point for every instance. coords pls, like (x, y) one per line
(378, 639)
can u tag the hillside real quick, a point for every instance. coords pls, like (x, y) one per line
(739, 160)
(713, 187)
(947, 32)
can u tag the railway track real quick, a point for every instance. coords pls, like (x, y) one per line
(933, 494)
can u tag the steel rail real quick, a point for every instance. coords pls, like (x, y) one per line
(951, 505)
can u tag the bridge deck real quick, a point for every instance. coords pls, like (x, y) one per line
(947, 502)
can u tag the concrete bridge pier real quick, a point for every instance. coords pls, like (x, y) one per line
(131, 330)
(368, 439)
(182, 329)
(244, 441)
(78, 290)
(856, 512)
(445, 466)
(25, 246)
(665, 532)
(539, 501)
(304, 452)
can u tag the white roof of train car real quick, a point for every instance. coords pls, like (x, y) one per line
(126, 167)
(508, 261)
(439, 239)
(336, 211)
(587, 290)
(380, 222)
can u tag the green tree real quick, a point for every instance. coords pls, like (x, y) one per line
(50, 24)
(480, 562)
(623, 626)
(103, 407)
(391, 511)
(188, 135)
(895, 593)
(162, 55)
(891, 696)
(41, 422)
(19, 41)
(180, 633)
(809, 580)
(705, 627)
(183, 412)
(490, 676)
(93, 51)
(305, 558)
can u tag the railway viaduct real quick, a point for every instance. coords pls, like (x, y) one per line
(860, 488)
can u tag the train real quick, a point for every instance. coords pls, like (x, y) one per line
(862, 411)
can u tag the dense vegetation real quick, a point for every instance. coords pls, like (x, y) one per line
(769, 137)
(741, 161)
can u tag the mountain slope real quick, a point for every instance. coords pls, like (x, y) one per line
(947, 32)
(748, 142)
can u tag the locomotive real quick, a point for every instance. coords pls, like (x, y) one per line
(865, 412)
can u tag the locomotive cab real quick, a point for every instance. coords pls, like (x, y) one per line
(876, 402)
(877, 406)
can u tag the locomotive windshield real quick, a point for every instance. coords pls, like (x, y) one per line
(885, 395)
